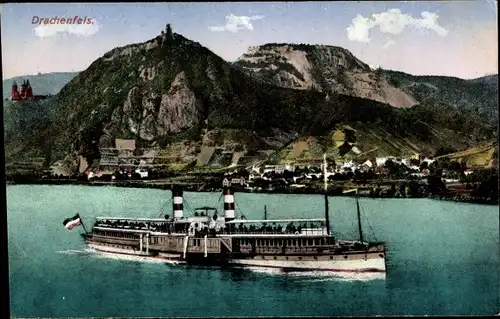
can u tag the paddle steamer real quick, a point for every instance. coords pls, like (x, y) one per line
(207, 239)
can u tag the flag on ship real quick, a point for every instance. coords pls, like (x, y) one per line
(72, 222)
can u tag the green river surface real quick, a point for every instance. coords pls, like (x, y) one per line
(442, 259)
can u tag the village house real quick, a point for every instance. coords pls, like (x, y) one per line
(349, 166)
(368, 164)
(381, 170)
(428, 161)
(238, 181)
(235, 181)
(468, 171)
(381, 160)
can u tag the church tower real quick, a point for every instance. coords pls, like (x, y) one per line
(15, 92)
(23, 90)
(29, 90)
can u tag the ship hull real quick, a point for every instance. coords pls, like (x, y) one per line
(354, 265)
(118, 250)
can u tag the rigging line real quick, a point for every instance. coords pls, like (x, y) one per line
(368, 222)
(187, 204)
(238, 206)
(220, 197)
(163, 207)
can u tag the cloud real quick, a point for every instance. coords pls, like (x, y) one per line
(392, 22)
(84, 30)
(236, 23)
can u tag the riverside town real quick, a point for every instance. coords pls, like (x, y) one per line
(416, 176)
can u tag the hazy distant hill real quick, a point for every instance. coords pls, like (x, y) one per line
(477, 95)
(42, 84)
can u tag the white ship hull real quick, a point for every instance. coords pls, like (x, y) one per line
(118, 250)
(357, 265)
(371, 264)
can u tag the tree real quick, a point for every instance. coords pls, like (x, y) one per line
(414, 162)
(436, 185)
(391, 166)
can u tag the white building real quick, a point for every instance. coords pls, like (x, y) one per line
(381, 160)
(368, 164)
(142, 172)
(428, 161)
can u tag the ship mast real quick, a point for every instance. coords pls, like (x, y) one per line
(359, 219)
(327, 217)
(360, 229)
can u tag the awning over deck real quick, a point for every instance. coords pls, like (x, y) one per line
(260, 221)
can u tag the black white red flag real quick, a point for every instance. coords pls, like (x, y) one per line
(72, 222)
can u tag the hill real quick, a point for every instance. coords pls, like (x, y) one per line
(478, 95)
(323, 68)
(42, 84)
(173, 94)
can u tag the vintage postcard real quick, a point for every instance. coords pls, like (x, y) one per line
(251, 159)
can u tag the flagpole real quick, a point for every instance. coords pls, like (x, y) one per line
(83, 225)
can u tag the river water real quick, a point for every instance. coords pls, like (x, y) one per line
(443, 259)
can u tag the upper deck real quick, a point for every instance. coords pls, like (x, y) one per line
(201, 225)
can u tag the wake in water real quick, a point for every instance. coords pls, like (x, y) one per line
(116, 256)
(319, 276)
(75, 251)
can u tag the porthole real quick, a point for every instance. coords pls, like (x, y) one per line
(274, 257)
(381, 255)
(300, 258)
(263, 257)
(345, 256)
(331, 257)
(315, 258)
(286, 258)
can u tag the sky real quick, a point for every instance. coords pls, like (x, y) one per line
(451, 38)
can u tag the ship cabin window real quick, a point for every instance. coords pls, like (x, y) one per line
(295, 242)
(310, 241)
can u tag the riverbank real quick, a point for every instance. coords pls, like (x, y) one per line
(364, 189)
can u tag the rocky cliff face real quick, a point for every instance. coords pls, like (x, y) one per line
(151, 115)
(324, 68)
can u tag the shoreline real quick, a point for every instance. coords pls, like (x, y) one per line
(198, 187)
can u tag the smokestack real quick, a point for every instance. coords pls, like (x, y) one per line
(228, 204)
(177, 203)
